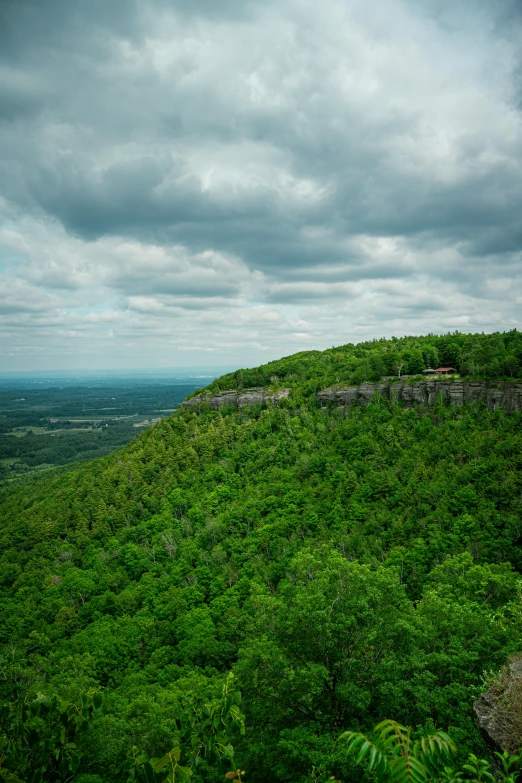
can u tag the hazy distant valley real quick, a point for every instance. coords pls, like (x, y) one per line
(46, 422)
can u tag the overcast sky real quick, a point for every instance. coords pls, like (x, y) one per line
(222, 182)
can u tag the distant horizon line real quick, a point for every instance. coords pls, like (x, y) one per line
(134, 371)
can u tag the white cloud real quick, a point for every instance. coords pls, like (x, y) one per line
(245, 179)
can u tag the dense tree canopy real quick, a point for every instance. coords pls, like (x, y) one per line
(348, 566)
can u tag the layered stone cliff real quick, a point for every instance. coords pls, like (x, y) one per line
(495, 395)
(237, 398)
(507, 396)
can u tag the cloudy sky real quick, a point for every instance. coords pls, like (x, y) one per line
(221, 182)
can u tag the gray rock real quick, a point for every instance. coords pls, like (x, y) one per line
(499, 711)
(236, 398)
(486, 714)
(515, 669)
(505, 395)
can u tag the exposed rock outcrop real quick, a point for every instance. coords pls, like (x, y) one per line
(499, 710)
(237, 398)
(507, 396)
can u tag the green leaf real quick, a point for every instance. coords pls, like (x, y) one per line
(408, 769)
(184, 773)
(9, 777)
(166, 760)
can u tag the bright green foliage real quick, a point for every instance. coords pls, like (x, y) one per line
(347, 565)
(341, 643)
(394, 757)
(202, 739)
(42, 739)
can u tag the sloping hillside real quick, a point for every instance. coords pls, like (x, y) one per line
(347, 565)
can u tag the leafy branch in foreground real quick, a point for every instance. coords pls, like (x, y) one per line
(39, 737)
(394, 757)
(203, 738)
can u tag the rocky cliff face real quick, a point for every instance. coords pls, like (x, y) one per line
(499, 710)
(502, 395)
(236, 398)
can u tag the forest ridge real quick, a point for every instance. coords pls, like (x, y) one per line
(335, 567)
(482, 356)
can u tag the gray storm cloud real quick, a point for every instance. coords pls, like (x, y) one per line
(248, 179)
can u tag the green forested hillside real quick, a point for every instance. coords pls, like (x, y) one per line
(347, 566)
(488, 356)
